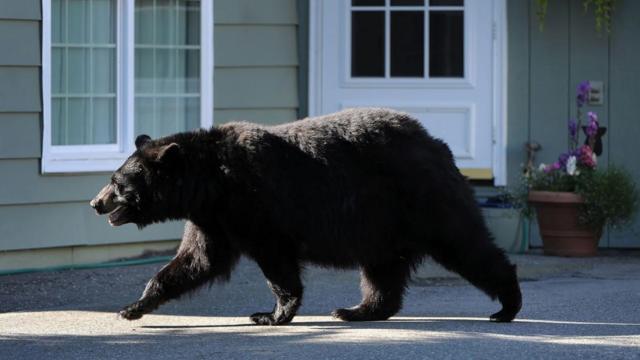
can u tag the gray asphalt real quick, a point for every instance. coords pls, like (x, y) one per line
(573, 308)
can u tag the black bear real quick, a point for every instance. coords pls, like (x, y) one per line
(367, 188)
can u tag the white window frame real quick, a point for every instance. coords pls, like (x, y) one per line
(106, 158)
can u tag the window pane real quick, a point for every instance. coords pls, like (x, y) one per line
(78, 70)
(166, 27)
(192, 70)
(407, 2)
(103, 16)
(104, 71)
(192, 113)
(188, 64)
(83, 72)
(58, 121)
(78, 21)
(167, 121)
(446, 2)
(58, 64)
(407, 43)
(144, 115)
(78, 124)
(367, 44)
(145, 70)
(58, 21)
(367, 2)
(104, 130)
(446, 44)
(144, 22)
(167, 73)
(188, 22)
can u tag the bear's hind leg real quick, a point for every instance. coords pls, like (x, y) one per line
(197, 261)
(283, 277)
(486, 267)
(382, 288)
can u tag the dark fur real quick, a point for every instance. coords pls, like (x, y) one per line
(364, 188)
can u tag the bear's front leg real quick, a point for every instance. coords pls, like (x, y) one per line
(198, 260)
(283, 275)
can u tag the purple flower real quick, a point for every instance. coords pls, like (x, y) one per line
(583, 93)
(573, 128)
(592, 129)
(562, 160)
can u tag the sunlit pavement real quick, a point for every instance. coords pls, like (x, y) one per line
(590, 309)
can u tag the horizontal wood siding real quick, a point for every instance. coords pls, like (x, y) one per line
(20, 9)
(545, 68)
(21, 40)
(256, 61)
(19, 89)
(73, 223)
(624, 106)
(20, 136)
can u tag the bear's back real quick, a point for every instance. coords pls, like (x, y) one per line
(352, 125)
(349, 136)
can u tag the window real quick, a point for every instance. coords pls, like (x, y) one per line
(114, 69)
(407, 39)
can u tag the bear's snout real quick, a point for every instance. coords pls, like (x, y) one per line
(103, 202)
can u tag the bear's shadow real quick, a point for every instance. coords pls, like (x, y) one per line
(520, 327)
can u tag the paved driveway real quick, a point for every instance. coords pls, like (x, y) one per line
(587, 314)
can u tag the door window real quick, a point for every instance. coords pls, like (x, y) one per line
(407, 39)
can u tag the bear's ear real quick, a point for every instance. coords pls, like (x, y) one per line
(168, 153)
(141, 140)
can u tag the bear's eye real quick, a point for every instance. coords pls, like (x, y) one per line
(119, 189)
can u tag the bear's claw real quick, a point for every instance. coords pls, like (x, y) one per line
(132, 312)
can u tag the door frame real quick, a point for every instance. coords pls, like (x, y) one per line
(499, 81)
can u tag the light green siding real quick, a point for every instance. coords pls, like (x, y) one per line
(255, 79)
(255, 88)
(623, 95)
(21, 40)
(255, 46)
(546, 66)
(19, 136)
(256, 61)
(252, 12)
(29, 187)
(19, 89)
(20, 9)
(72, 223)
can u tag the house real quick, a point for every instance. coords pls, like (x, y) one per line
(79, 79)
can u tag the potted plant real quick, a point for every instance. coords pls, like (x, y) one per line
(573, 198)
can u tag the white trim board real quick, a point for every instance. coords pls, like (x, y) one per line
(106, 158)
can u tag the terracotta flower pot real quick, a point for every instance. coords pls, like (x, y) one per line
(562, 235)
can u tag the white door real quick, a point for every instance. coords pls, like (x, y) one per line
(435, 59)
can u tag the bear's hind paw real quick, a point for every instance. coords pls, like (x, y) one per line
(503, 316)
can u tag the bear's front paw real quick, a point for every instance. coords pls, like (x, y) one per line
(132, 312)
(263, 319)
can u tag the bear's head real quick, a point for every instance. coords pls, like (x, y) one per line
(140, 190)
